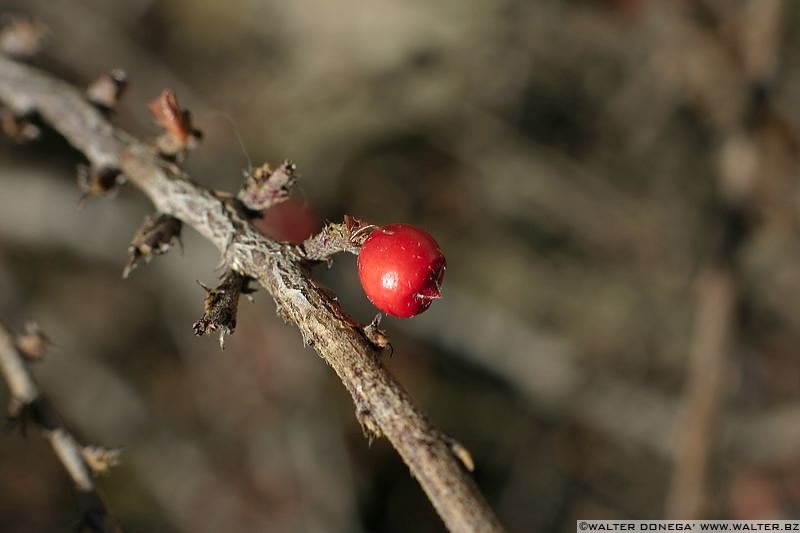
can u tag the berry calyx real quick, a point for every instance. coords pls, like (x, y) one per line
(401, 269)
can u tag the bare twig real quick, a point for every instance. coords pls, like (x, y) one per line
(278, 267)
(718, 295)
(80, 462)
(716, 303)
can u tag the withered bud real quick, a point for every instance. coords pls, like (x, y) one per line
(264, 187)
(179, 134)
(369, 426)
(94, 181)
(334, 238)
(461, 453)
(22, 37)
(378, 337)
(221, 305)
(156, 236)
(99, 459)
(106, 90)
(20, 129)
(32, 343)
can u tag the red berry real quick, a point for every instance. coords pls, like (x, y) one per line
(401, 269)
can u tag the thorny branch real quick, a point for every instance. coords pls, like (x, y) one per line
(28, 405)
(382, 406)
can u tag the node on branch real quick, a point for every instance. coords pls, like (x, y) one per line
(265, 187)
(221, 305)
(106, 91)
(179, 134)
(93, 181)
(156, 236)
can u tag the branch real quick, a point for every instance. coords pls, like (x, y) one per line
(79, 461)
(382, 405)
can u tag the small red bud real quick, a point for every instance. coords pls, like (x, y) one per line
(401, 269)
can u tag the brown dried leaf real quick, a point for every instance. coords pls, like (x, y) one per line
(179, 135)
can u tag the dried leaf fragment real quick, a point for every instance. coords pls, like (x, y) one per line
(179, 134)
(264, 187)
(156, 236)
(22, 37)
(106, 90)
(221, 305)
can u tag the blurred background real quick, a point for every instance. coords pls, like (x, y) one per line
(614, 183)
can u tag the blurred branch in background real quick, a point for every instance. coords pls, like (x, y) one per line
(27, 405)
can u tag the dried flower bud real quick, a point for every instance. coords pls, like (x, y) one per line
(221, 305)
(264, 187)
(106, 90)
(22, 37)
(155, 236)
(94, 181)
(20, 129)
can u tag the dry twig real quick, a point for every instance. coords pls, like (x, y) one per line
(281, 269)
(80, 462)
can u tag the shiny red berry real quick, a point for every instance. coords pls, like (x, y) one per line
(401, 269)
